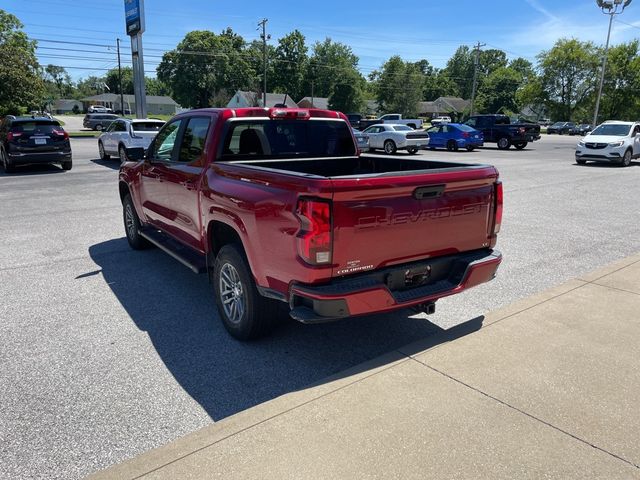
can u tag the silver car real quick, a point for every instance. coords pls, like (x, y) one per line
(392, 137)
(124, 133)
(362, 140)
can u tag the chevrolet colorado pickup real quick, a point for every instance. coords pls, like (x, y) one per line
(499, 129)
(277, 205)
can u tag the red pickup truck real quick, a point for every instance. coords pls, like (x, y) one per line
(278, 205)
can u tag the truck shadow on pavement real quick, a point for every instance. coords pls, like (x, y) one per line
(176, 309)
(112, 163)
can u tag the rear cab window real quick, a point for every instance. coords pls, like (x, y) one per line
(269, 139)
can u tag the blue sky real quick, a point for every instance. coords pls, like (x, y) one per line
(375, 30)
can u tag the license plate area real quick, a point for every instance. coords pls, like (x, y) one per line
(40, 140)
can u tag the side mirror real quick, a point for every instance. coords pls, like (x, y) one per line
(135, 153)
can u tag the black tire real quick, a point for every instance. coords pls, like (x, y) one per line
(67, 165)
(452, 146)
(6, 164)
(390, 147)
(504, 143)
(122, 154)
(581, 161)
(470, 148)
(98, 128)
(132, 225)
(245, 313)
(520, 145)
(103, 154)
(412, 150)
(626, 158)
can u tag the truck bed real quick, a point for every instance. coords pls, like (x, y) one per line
(389, 210)
(354, 166)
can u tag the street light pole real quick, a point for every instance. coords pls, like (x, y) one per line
(611, 8)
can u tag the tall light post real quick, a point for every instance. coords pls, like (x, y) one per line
(611, 8)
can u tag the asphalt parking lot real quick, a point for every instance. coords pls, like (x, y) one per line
(107, 352)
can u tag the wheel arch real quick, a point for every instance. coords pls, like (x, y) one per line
(220, 234)
(124, 190)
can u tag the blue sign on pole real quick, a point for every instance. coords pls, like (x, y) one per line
(134, 15)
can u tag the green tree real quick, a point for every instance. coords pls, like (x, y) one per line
(204, 64)
(60, 80)
(21, 84)
(254, 54)
(348, 95)
(439, 85)
(489, 61)
(88, 87)
(460, 70)
(620, 98)
(568, 73)
(153, 86)
(498, 91)
(399, 86)
(112, 80)
(290, 65)
(329, 63)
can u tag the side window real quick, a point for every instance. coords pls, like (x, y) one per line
(433, 129)
(165, 141)
(194, 138)
(445, 129)
(110, 128)
(119, 127)
(471, 122)
(637, 130)
(483, 122)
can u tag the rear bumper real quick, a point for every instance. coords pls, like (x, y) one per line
(390, 288)
(19, 158)
(413, 143)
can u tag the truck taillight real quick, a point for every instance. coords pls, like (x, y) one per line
(13, 135)
(314, 237)
(499, 201)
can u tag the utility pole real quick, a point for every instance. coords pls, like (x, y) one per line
(611, 8)
(476, 61)
(264, 37)
(120, 78)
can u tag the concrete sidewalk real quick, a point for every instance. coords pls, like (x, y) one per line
(549, 387)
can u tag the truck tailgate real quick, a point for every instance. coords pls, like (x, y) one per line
(396, 218)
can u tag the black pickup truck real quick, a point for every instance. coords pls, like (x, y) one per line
(499, 129)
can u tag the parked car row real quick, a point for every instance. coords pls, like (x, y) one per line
(569, 128)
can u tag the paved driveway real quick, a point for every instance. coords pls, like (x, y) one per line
(107, 352)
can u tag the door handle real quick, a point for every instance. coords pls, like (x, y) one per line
(188, 184)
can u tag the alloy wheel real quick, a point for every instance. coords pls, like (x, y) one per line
(130, 221)
(232, 293)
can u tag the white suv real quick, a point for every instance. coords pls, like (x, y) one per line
(612, 141)
(124, 133)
